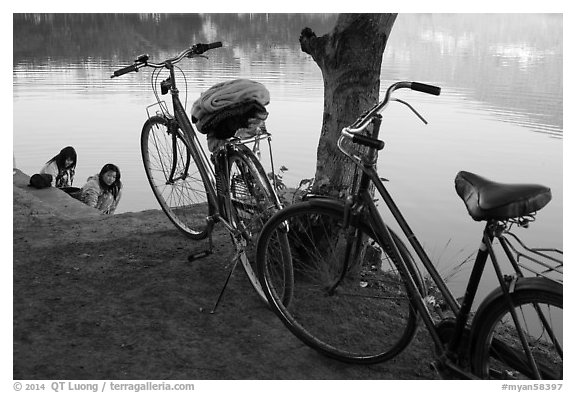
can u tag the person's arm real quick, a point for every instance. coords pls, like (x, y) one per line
(90, 193)
(115, 203)
(71, 173)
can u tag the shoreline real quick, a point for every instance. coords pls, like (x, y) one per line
(50, 200)
(103, 297)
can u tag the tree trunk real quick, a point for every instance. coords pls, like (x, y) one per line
(350, 58)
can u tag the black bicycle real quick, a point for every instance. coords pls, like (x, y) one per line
(357, 292)
(195, 192)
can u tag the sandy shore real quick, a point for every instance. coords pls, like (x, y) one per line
(114, 297)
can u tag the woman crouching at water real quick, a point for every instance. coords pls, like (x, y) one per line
(102, 191)
(61, 168)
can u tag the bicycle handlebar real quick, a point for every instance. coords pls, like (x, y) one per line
(142, 60)
(125, 70)
(201, 48)
(424, 88)
(363, 121)
(367, 141)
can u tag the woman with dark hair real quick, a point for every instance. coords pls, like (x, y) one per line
(61, 167)
(102, 191)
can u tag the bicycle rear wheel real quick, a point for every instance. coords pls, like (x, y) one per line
(498, 352)
(253, 201)
(349, 300)
(175, 178)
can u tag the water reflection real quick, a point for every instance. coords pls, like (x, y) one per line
(62, 37)
(501, 76)
(510, 61)
(502, 60)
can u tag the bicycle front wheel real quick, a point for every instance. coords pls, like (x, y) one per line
(499, 353)
(175, 178)
(348, 300)
(253, 201)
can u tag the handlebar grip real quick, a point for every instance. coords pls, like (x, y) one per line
(201, 48)
(424, 88)
(215, 45)
(125, 70)
(367, 141)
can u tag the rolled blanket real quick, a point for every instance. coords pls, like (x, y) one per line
(224, 123)
(229, 93)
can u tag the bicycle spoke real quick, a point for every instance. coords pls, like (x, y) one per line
(354, 308)
(500, 352)
(175, 179)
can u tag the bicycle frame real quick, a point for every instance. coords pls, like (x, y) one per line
(381, 232)
(232, 153)
(182, 126)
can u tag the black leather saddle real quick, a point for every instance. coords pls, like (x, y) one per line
(488, 200)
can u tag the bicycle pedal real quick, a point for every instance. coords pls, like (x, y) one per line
(202, 254)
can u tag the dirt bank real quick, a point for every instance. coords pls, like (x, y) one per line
(99, 297)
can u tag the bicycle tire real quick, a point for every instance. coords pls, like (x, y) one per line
(253, 202)
(184, 200)
(498, 353)
(368, 318)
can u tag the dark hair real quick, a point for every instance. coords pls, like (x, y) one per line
(115, 187)
(60, 159)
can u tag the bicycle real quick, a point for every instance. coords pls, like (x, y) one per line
(194, 194)
(357, 293)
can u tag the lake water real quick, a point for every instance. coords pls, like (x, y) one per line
(499, 115)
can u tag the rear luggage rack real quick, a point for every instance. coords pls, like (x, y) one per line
(542, 262)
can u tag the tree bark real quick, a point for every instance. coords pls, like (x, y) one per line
(350, 58)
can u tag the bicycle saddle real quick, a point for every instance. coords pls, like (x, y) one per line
(488, 200)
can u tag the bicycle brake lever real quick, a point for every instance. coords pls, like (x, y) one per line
(413, 110)
(192, 55)
(142, 59)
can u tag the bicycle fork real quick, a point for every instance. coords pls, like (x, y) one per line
(351, 238)
(173, 131)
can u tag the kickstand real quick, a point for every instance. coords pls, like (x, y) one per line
(205, 253)
(237, 257)
(225, 284)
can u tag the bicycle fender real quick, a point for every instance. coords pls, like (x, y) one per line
(254, 162)
(257, 167)
(323, 201)
(155, 118)
(497, 296)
